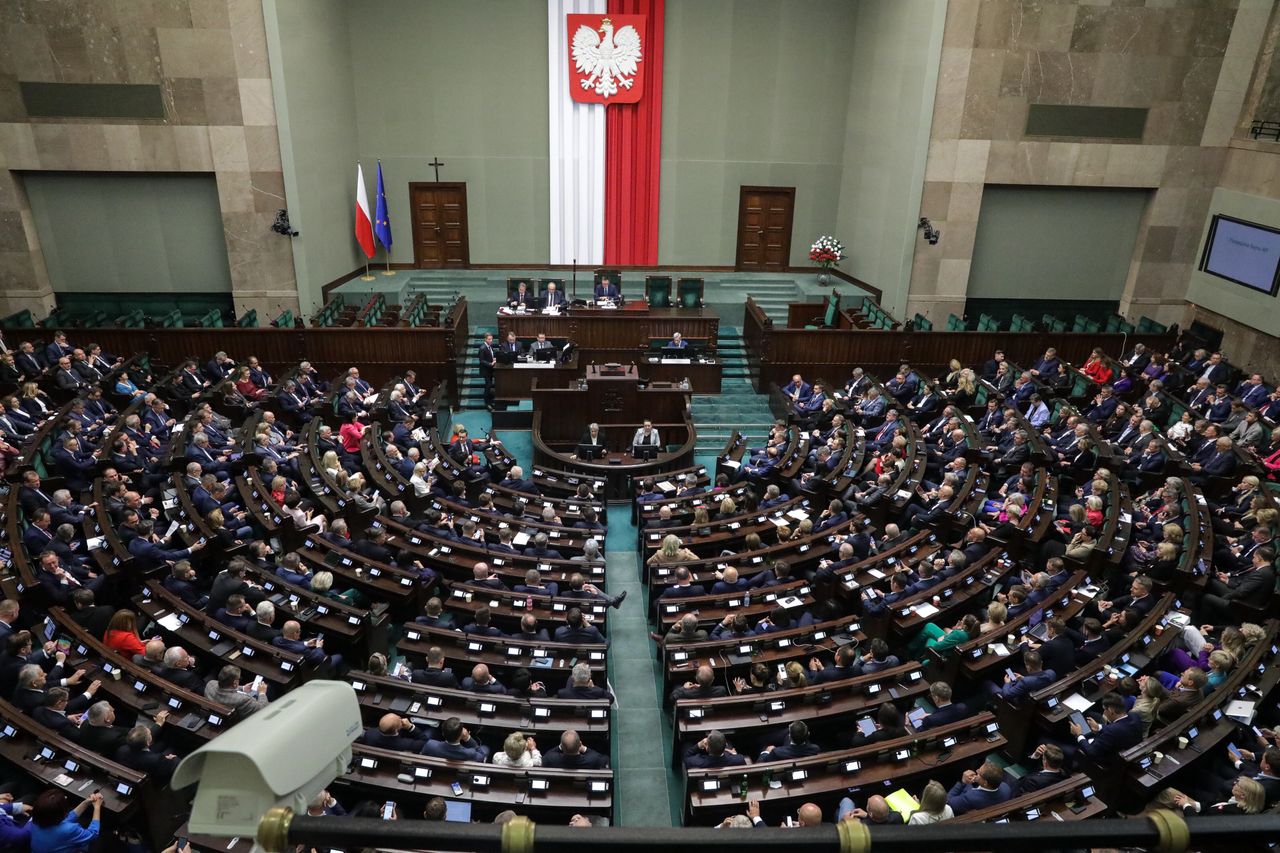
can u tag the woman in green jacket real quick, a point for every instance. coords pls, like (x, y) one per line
(931, 637)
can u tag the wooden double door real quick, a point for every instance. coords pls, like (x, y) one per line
(439, 212)
(764, 228)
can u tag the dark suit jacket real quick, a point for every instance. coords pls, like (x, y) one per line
(434, 677)
(589, 760)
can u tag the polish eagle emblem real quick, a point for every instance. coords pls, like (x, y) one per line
(606, 60)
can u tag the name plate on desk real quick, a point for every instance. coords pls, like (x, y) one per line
(524, 365)
(666, 360)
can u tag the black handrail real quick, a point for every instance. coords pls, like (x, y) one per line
(1243, 831)
(1265, 130)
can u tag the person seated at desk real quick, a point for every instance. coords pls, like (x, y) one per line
(511, 345)
(591, 445)
(646, 436)
(554, 298)
(522, 298)
(607, 288)
(540, 344)
(677, 342)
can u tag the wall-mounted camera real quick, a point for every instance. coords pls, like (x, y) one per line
(281, 226)
(930, 233)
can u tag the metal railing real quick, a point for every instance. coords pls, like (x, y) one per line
(1265, 130)
(1165, 831)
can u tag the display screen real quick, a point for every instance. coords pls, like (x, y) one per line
(1244, 253)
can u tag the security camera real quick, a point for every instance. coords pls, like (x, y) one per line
(283, 755)
(281, 226)
(930, 233)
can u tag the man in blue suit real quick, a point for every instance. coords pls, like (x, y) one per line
(577, 629)
(1048, 364)
(1017, 686)
(684, 587)
(606, 288)
(797, 390)
(573, 754)
(795, 745)
(394, 732)
(148, 553)
(312, 650)
(1252, 392)
(712, 751)
(947, 711)
(456, 744)
(978, 789)
(1118, 731)
(846, 665)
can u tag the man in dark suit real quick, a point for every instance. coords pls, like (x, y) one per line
(712, 751)
(529, 630)
(435, 674)
(1020, 685)
(573, 754)
(1051, 771)
(515, 479)
(1093, 642)
(456, 744)
(488, 358)
(553, 298)
(482, 681)
(394, 732)
(577, 629)
(148, 552)
(795, 744)
(92, 617)
(480, 624)
(27, 361)
(1252, 588)
(99, 731)
(1118, 731)
(521, 298)
(53, 714)
(946, 710)
(684, 586)
(978, 789)
(139, 753)
(1215, 370)
(312, 650)
(1057, 651)
(703, 686)
(846, 665)
(581, 686)
(607, 288)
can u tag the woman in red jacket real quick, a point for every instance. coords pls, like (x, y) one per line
(122, 634)
(1096, 368)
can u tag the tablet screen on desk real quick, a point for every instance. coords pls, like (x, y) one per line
(457, 811)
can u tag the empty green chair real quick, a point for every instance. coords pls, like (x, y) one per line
(954, 323)
(830, 311)
(248, 320)
(170, 320)
(19, 320)
(132, 320)
(657, 291)
(923, 323)
(690, 291)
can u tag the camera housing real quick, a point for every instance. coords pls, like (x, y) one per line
(283, 755)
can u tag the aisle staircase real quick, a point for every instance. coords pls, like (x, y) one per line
(737, 406)
(472, 391)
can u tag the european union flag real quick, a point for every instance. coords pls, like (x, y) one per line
(381, 217)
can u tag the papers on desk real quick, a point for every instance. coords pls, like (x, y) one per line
(520, 540)
(1076, 702)
(666, 486)
(666, 360)
(524, 365)
(904, 493)
(924, 611)
(1125, 518)
(1000, 650)
(1200, 499)
(875, 573)
(95, 543)
(789, 602)
(1241, 710)
(798, 514)
(170, 621)
(780, 521)
(371, 399)
(730, 463)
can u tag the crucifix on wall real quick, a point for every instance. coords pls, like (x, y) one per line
(436, 164)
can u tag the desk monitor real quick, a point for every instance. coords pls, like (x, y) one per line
(676, 352)
(645, 451)
(590, 451)
(503, 356)
(545, 354)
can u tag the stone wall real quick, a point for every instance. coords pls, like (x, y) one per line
(1188, 64)
(210, 59)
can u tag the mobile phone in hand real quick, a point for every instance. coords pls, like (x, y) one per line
(388, 810)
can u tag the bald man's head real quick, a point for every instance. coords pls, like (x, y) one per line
(810, 815)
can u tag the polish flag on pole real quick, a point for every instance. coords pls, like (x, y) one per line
(364, 225)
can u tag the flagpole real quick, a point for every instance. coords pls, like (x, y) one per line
(367, 275)
(388, 270)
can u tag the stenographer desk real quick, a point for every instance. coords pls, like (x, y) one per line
(614, 400)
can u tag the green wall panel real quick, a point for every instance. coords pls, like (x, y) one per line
(1037, 242)
(140, 233)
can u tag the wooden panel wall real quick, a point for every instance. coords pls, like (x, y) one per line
(380, 353)
(781, 352)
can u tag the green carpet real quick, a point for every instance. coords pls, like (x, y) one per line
(646, 792)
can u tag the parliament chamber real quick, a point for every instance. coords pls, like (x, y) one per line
(852, 421)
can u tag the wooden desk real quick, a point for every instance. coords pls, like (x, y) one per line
(614, 334)
(515, 381)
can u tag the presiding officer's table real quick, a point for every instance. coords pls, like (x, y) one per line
(625, 335)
